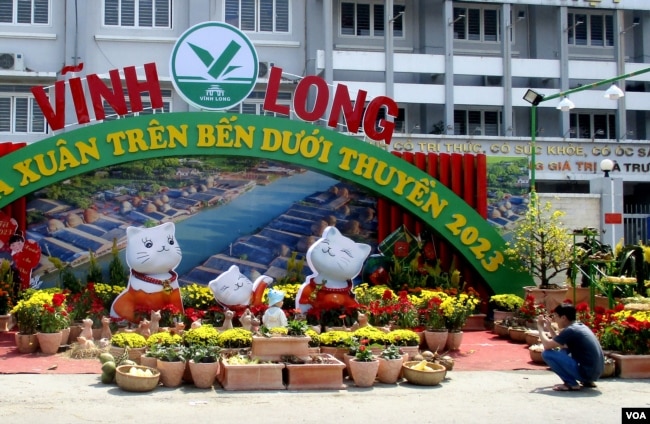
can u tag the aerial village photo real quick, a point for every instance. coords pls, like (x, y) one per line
(260, 225)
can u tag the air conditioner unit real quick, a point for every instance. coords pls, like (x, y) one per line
(12, 62)
(263, 69)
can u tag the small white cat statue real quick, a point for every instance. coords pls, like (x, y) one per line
(152, 254)
(233, 290)
(334, 260)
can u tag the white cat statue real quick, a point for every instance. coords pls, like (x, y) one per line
(152, 254)
(234, 291)
(334, 260)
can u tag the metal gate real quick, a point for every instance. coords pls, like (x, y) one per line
(635, 220)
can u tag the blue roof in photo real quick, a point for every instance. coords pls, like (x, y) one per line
(91, 229)
(78, 240)
(106, 224)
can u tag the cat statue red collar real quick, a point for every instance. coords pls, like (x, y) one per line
(334, 260)
(152, 254)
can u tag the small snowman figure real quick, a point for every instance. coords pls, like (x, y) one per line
(274, 315)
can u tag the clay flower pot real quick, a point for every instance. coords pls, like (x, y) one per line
(364, 373)
(171, 373)
(454, 339)
(389, 370)
(49, 342)
(436, 340)
(26, 343)
(203, 373)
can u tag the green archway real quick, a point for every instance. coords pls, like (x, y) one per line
(207, 133)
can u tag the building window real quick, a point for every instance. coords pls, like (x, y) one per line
(594, 126)
(258, 15)
(253, 105)
(477, 122)
(30, 12)
(367, 19)
(19, 112)
(476, 24)
(590, 29)
(146, 106)
(138, 13)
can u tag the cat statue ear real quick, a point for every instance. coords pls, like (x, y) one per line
(335, 261)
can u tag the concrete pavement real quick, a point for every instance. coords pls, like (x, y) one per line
(464, 397)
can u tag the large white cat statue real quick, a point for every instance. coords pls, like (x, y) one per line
(334, 260)
(233, 290)
(152, 254)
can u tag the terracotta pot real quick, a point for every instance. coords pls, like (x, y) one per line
(49, 343)
(251, 376)
(389, 370)
(134, 352)
(316, 376)
(536, 356)
(609, 370)
(364, 373)
(171, 373)
(532, 337)
(550, 298)
(336, 352)
(475, 322)
(203, 373)
(410, 351)
(632, 366)
(346, 360)
(436, 340)
(26, 343)
(65, 336)
(75, 331)
(454, 339)
(274, 348)
(501, 330)
(148, 361)
(518, 334)
(501, 315)
(6, 322)
(97, 333)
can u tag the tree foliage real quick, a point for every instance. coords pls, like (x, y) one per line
(541, 244)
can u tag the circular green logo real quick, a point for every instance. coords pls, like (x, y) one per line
(213, 66)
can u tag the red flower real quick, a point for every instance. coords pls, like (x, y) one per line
(58, 299)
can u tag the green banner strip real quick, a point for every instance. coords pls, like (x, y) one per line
(76, 152)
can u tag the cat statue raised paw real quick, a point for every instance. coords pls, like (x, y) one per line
(334, 260)
(234, 291)
(152, 254)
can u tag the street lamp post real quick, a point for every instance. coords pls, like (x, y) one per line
(535, 99)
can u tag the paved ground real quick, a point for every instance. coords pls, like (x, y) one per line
(464, 397)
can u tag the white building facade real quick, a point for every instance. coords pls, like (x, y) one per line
(457, 69)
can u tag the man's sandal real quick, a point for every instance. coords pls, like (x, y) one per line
(566, 388)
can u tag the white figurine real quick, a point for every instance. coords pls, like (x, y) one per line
(274, 315)
(334, 260)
